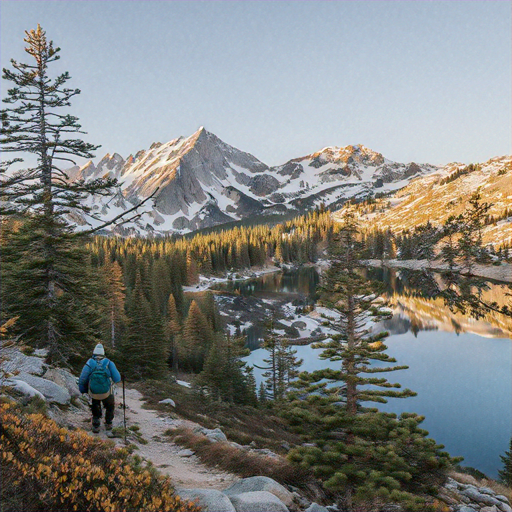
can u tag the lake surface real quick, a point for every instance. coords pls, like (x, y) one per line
(302, 281)
(460, 368)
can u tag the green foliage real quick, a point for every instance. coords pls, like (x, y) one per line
(195, 341)
(45, 269)
(365, 457)
(223, 376)
(48, 283)
(281, 368)
(505, 474)
(143, 352)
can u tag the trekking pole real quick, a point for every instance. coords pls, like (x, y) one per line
(124, 409)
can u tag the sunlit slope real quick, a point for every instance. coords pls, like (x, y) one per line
(446, 192)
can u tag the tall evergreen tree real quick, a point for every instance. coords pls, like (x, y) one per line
(360, 454)
(449, 251)
(173, 331)
(223, 375)
(115, 292)
(47, 268)
(471, 225)
(195, 341)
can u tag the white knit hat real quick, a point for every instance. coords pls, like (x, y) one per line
(98, 350)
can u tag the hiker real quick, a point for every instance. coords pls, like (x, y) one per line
(97, 378)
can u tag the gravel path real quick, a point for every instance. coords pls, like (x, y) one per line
(185, 472)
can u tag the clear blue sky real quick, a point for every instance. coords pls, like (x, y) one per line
(428, 81)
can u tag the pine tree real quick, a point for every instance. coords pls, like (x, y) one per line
(223, 377)
(192, 274)
(359, 454)
(173, 331)
(449, 250)
(143, 351)
(271, 345)
(211, 312)
(281, 365)
(505, 474)
(115, 292)
(471, 224)
(195, 341)
(47, 268)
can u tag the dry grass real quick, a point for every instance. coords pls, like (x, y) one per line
(241, 424)
(497, 487)
(229, 458)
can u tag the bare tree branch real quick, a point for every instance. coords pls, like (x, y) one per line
(117, 217)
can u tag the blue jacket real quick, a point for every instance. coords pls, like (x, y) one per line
(83, 382)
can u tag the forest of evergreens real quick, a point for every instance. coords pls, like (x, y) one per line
(65, 291)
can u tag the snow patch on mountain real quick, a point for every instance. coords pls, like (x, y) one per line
(200, 181)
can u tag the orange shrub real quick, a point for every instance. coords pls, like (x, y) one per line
(48, 468)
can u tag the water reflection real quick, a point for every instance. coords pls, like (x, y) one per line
(460, 367)
(417, 306)
(302, 281)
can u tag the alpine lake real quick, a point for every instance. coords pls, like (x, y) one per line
(460, 367)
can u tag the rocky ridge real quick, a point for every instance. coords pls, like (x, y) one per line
(200, 181)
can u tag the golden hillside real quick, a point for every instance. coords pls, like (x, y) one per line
(446, 192)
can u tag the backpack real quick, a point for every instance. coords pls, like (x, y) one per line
(99, 381)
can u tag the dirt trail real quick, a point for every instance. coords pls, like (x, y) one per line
(185, 472)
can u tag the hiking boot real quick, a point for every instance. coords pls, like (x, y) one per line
(108, 426)
(95, 429)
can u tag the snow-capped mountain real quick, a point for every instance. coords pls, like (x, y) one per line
(200, 181)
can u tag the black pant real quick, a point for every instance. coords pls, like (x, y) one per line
(108, 404)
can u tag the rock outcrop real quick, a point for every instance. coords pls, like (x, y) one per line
(470, 498)
(258, 484)
(31, 376)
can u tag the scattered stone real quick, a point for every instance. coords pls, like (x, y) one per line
(315, 507)
(391, 507)
(494, 508)
(303, 503)
(286, 446)
(215, 435)
(504, 507)
(185, 453)
(210, 500)
(466, 508)
(168, 401)
(260, 501)
(261, 483)
(41, 352)
(502, 498)
(266, 452)
(486, 490)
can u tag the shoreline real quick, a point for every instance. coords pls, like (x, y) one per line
(205, 283)
(502, 273)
